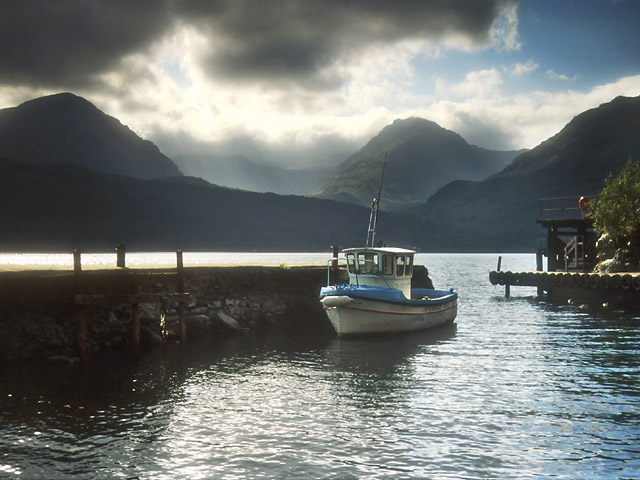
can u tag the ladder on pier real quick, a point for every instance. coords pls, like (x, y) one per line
(574, 254)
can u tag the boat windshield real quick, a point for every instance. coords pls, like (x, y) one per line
(365, 262)
(408, 268)
(404, 265)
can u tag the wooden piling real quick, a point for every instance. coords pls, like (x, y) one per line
(120, 256)
(335, 270)
(77, 261)
(81, 321)
(131, 296)
(181, 304)
(180, 271)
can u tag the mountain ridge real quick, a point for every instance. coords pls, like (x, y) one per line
(422, 157)
(500, 212)
(63, 207)
(66, 128)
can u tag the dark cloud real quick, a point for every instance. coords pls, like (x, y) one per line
(65, 43)
(292, 40)
(68, 42)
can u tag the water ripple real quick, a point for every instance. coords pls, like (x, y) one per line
(518, 389)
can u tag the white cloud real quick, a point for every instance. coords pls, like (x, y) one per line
(560, 76)
(504, 30)
(521, 120)
(480, 83)
(163, 91)
(520, 69)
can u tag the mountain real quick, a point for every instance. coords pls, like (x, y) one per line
(65, 128)
(238, 171)
(500, 212)
(63, 207)
(422, 157)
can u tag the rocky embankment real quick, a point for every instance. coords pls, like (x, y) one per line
(38, 311)
(39, 314)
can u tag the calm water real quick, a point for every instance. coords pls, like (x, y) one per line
(517, 389)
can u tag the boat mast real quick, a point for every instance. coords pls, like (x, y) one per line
(375, 207)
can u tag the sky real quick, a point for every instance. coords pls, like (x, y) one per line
(310, 79)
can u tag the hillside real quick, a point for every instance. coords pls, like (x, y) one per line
(422, 157)
(62, 207)
(499, 213)
(238, 171)
(65, 128)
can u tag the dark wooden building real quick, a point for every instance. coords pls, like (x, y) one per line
(571, 240)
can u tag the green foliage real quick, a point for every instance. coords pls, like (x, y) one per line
(617, 210)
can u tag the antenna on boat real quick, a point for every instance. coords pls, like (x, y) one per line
(375, 207)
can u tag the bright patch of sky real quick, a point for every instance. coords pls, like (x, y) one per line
(294, 78)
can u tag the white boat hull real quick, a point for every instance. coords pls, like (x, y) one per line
(366, 316)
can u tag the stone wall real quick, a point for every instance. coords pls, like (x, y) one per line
(38, 312)
(39, 315)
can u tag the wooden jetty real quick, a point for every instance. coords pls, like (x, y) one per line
(131, 296)
(571, 255)
(80, 313)
(571, 284)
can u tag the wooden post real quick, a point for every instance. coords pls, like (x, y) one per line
(499, 264)
(180, 269)
(181, 304)
(539, 259)
(81, 321)
(183, 323)
(120, 254)
(507, 291)
(77, 262)
(539, 268)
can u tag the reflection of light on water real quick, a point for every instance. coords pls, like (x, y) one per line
(133, 259)
(10, 470)
(508, 390)
(265, 417)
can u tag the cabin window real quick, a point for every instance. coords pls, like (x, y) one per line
(387, 264)
(408, 268)
(367, 262)
(351, 262)
(400, 265)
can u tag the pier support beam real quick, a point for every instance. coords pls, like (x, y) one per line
(181, 305)
(120, 256)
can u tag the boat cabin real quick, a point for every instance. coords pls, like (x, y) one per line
(381, 267)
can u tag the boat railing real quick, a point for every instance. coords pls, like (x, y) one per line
(332, 264)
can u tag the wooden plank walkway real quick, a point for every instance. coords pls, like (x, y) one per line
(623, 287)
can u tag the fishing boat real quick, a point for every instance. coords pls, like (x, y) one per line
(378, 298)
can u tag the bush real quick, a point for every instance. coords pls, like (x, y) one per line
(617, 210)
